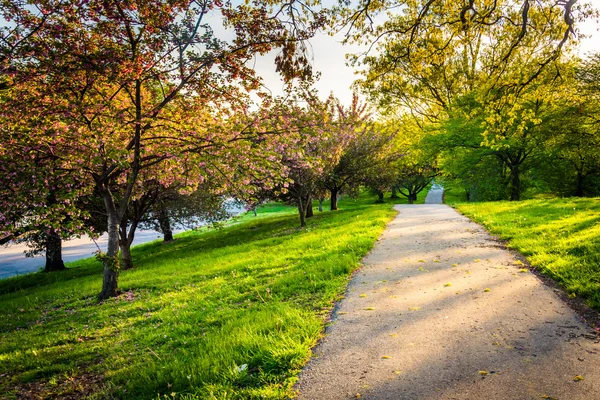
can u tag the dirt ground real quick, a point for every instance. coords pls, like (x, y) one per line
(441, 310)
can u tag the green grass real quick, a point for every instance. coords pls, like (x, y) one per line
(558, 236)
(222, 314)
(454, 195)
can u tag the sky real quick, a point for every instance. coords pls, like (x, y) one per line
(337, 77)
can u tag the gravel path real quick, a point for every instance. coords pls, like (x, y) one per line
(441, 311)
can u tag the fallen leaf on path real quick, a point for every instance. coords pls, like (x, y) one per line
(523, 271)
(370, 308)
(578, 378)
(455, 265)
(397, 372)
(448, 284)
(483, 373)
(477, 260)
(386, 357)
(362, 295)
(486, 290)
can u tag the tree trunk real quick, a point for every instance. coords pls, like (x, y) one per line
(125, 246)
(380, 197)
(165, 225)
(110, 259)
(254, 211)
(126, 260)
(334, 199)
(54, 261)
(394, 194)
(411, 198)
(302, 212)
(580, 180)
(321, 204)
(515, 189)
(309, 208)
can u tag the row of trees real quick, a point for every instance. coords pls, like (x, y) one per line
(111, 102)
(117, 114)
(121, 114)
(502, 102)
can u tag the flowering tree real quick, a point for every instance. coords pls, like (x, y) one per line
(307, 153)
(117, 87)
(40, 202)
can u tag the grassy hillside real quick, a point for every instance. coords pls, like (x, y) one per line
(558, 236)
(223, 314)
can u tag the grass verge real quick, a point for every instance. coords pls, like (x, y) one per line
(222, 314)
(559, 237)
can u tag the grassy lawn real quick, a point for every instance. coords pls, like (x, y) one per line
(558, 236)
(222, 314)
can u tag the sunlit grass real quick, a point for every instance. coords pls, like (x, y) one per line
(558, 236)
(228, 313)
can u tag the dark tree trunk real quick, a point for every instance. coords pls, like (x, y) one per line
(334, 199)
(411, 198)
(380, 197)
(54, 261)
(164, 222)
(126, 260)
(580, 180)
(110, 259)
(125, 246)
(515, 187)
(302, 212)
(309, 208)
(321, 204)
(394, 194)
(254, 211)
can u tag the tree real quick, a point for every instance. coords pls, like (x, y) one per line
(174, 210)
(352, 142)
(40, 203)
(413, 179)
(117, 87)
(433, 50)
(573, 119)
(312, 148)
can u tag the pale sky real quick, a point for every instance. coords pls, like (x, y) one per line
(329, 59)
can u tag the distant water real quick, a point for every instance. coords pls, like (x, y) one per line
(13, 260)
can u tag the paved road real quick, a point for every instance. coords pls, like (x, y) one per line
(441, 311)
(14, 262)
(435, 195)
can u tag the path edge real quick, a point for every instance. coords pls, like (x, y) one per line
(332, 315)
(588, 315)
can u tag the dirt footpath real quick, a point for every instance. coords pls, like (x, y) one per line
(441, 311)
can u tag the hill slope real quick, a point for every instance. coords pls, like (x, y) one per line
(228, 313)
